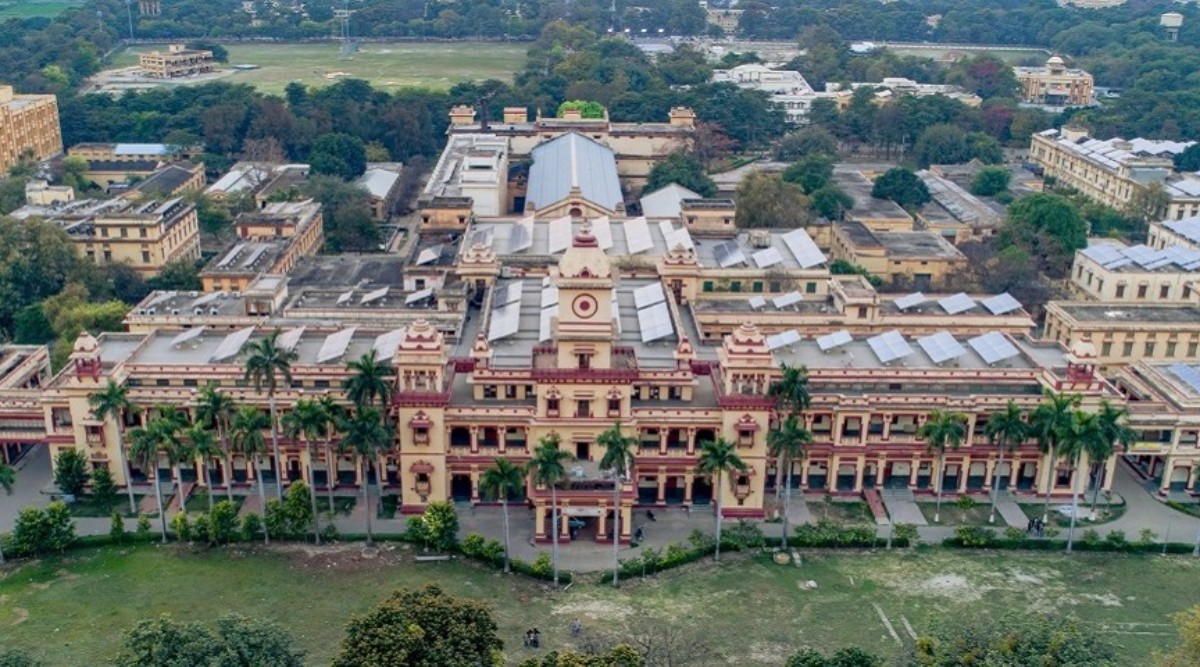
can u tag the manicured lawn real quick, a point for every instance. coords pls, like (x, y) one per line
(850, 512)
(385, 65)
(198, 501)
(1107, 513)
(1010, 56)
(951, 515)
(87, 506)
(71, 610)
(341, 504)
(26, 9)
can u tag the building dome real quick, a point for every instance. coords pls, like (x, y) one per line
(86, 343)
(585, 258)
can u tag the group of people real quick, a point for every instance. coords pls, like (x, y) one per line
(533, 638)
(1036, 527)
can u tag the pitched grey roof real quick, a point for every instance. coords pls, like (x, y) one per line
(569, 161)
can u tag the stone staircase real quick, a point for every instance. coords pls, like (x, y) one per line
(875, 502)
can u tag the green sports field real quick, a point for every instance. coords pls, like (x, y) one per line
(385, 65)
(25, 9)
(71, 610)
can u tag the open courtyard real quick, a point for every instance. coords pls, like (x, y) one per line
(72, 609)
(386, 65)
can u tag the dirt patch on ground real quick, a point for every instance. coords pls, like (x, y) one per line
(594, 609)
(767, 654)
(21, 615)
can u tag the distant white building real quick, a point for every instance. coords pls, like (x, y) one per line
(787, 88)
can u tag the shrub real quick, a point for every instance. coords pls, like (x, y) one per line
(329, 532)
(70, 471)
(252, 527)
(1013, 533)
(826, 533)
(906, 532)
(1116, 538)
(143, 526)
(201, 528)
(104, 490)
(742, 535)
(439, 526)
(182, 527)
(542, 566)
(1146, 537)
(472, 545)
(39, 531)
(975, 536)
(222, 523)
(116, 530)
(1090, 537)
(1052, 531)
(701, 540)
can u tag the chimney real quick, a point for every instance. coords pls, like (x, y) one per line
(462, 115)
(682, 117)
(516, 115)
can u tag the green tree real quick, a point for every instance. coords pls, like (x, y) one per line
(1007, 430)
(500, 481)
(266, 364)
(811, 172)
(831, 202)
(1187, 652)
(181, 275)
(718, 457)
(1046, 226)
(621, 655)
(37, 259)
(846, 657)
(942, 431)
(439, 525)
(346, 210)
(1082, 434)
(104, 489)
(984, 147)
(681, 169)
(204, 447)
(334, 415)
(147, 444)
(220, 53)
(75, 171)
(941, 144)
(215, 410)
(370, 378)
(422, 628)
(990, 181)
(1188, 159)
(1149, 203)
(338, 154)
(766, 200)
(1016, 640)
(548, 466)
(70, 471)
(11, 657)
(365, 435)
(222, 522)
(1117, 436)
(619, 458)
(8, 478)
(234, 641)
(307, 421)
(901, 186)
(31, 327)
(586, 108)
(40, 531)
(1047, 424)
(246, 438)
(811, 140)
(788, 443)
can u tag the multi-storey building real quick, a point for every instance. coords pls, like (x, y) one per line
(269, 241)
(1054, 84)
(955, 213)
(177, 61)
(29, 127)
(926, 259)
(1164, 404)
(382, 183)
(1115, 171)
(24, 371)
(1110, 272)
(787, 88)
(1127, 332)
(1183, 233)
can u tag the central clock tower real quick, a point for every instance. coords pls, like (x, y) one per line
(584, 328)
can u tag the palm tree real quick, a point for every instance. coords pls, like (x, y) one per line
(1049, 420)
(365, 435)
(307, 420)
(370, 379)
(215, 408)
(8, 477)
(146, 445)
(1007, 430)
(248, 425)
(204, 446)
(549, 468)
(1116, 432)
(114, 400)
(941, 431)
(499, 481)
(716, 458)
(266, 364)
(1081, 435)
(791, 397)
(619, 458)
(333, 414)
(787, 444)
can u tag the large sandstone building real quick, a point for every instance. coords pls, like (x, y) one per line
(29, 127)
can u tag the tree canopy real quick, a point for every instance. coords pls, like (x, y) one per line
(682, 169)
(337, 154)
(1016, 640)
(1046, 226)
(990, 181)
(232, 641)
(766, 200)
(901, 186)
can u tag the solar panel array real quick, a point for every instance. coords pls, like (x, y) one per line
(958, 303)
(522, 236)
(789, 299)
(602, 230)
(482, 237)
(834, 340)
(783, 339)
(231, 345)
(187, 336)
(205, 300)
(758, 303)
(549, 296)
(418, 296)
(941, 347)
(729, 254)
(253, 256)
(655, 322)
(767, 258)
(648, 295)
(616, 312)
(386, 344)
(560, 235)
(675, 237)
(1001, 304)
(289, 339)
(910, 301)
(993, 347)
(544, 323)
(430, 254)
(373, 295)
(508, 293)
(803, 248)
(637, 236)
(1189, 374)
(1112, 256)
(889, 346)
(335, 345)
(344, 298)
(228, 258)
(505, 320)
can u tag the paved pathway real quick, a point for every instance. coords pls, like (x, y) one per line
(902, 507)
(1010, 511)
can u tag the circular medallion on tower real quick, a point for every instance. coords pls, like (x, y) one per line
(584, 306)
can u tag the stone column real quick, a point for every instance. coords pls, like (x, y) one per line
(859, 469)
(691, 441)
(662, 441)
(626, 523)
(880, 467)
(687, 487)
(662, 487)
(602, 529)
(915, 467)
(1014, 472)
(474, 431)
(539, 522)
(475, 486)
